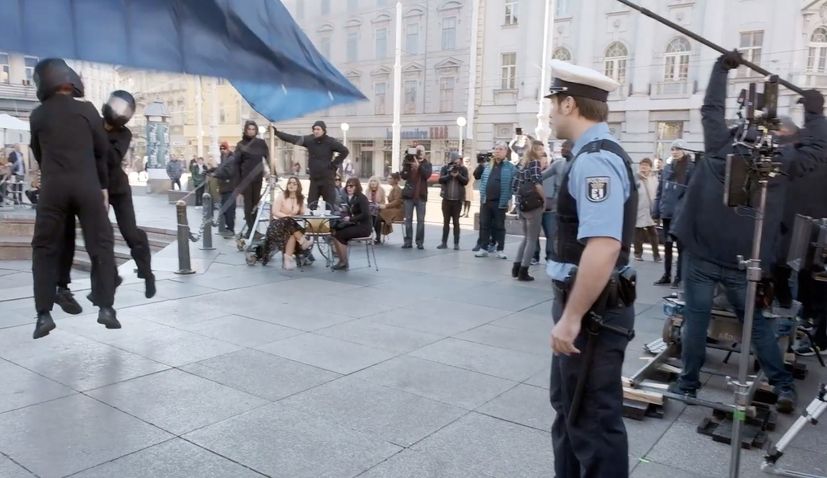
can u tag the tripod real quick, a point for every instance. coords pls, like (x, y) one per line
(809, 415)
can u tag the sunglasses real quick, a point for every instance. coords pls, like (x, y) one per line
(351, 185)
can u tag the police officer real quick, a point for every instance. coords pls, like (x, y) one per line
(70, 144)
(596, 212)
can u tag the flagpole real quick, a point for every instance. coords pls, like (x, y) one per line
(199, 121)
(470, 114)
(397, 92)
(542, 130)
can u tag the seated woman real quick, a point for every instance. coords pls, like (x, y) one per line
(393, 210)
(284, 233)
(376, 199)
(355, 221)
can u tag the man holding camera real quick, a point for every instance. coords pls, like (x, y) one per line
(416, 169)
(714, 235)
(453, 177)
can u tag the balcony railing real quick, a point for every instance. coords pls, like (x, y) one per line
(18, 92)
(671, 89)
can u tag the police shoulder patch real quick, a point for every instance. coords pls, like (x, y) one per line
(597, 188)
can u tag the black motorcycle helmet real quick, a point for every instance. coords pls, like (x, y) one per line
(119, 108)
(52, 73)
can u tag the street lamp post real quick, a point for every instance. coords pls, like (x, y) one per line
(542, 130)
(461, 122)
(345, 128)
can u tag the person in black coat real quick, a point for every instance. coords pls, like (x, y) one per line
(416, 169)
(70, 145)
(356, 221)
(321, 162)
(249, 154)
(227, 175)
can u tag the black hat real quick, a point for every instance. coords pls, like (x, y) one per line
(52, 73)
(247, 124)
(321, 124)
(119, 108)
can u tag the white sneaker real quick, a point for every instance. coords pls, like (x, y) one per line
(501, 255)
(481, 253)
(289, 263)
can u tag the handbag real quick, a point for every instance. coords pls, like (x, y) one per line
(530, 199)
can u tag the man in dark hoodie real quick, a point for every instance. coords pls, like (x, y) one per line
(321, 162)
(713, 235)
(250, 155)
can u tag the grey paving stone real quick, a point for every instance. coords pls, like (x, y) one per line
(504, 363)
(379, 335)
(418, 464)
(172, 289)
(10, 469)
(509, 338)
(523, 404)
(444, 323)
(527, 322)
(395, 416)
(242, 331)
(174, 312)
(176, 401)
(327, 353)
(306, 316)
(487, 445)
(280, 441)
(261, 374)
(172, 459)
(541, 379)
(437, 381)
(516, 298)
(22, 387)
(71, 434)
(656, 470)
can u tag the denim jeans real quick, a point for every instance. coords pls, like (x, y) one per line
(699, 280)
(419, 205)
(492, 225)
(549, 230)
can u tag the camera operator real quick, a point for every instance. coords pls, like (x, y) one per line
(453, 177)
(713, 235)
(416, 169)
(495, 194)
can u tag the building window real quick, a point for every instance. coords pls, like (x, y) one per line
(449, 33)
(4, 67)
(677, 60)
(325, 7)
(615, 62)
(352, 46)
(410, 97)
(412, 38)
(299, 9)
(379, 98)
(562, 54)
(381, 43)
(509, 71)
(512, 8)
(750, 49)
(817, 56)
(446, 94)
(562, 8)
(31, 62)
(352, 5)
(222, 114)
(324, 46)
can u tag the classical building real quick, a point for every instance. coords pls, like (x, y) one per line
(17, 92)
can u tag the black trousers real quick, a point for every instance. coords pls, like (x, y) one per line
(813, 297)
(228, 203)
(173, 182)
(199, 195)
(596, 446)
(60, 200)
(492, 224)
(323, 188)
(450, 212)
(251, 195)
(667, 251)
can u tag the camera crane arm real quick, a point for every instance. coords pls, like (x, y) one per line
(706, 42)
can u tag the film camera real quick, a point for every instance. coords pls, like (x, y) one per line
(484, 157)
(755, 145)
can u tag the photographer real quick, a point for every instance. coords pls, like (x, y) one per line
(416, 169)
(495, 193)
(453, 177)
(713, 235)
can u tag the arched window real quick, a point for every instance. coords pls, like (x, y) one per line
(817, 57)
(615, 61)
(677, 60)
(562, 54)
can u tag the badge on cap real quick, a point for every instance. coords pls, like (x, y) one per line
(598, 188)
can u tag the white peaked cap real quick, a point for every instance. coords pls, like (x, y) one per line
(576, 80)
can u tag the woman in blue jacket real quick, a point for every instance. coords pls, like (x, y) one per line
(671, 188)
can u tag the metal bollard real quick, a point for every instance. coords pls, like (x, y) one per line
(206, 234)
(184, 266)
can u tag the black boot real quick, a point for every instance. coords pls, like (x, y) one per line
(515, 270)
(44, 325)
(456, 245)
(665, 280)
(107, 317)
(523, 275)
(443, 245)
(149, 285)
(67, 302)
(407, 245)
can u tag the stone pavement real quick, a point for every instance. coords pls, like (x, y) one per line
(435, 366)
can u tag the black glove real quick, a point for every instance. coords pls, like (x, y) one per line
(813, 102)
(731, 60)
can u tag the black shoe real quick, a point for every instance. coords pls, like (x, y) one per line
(442, 246)
(66, 301)
(44, 325)
(456, 246)
(377, 242)
(676, 284)
(149, 286)
(340, 267)
(476, 248)
(420, 247)
(515, 270)
(118, 281)
(786, 400)
(665, 280)
(523, 275)
(675, 388)
(108, 317)
(407, 245)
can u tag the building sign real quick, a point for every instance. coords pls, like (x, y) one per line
(436, 132)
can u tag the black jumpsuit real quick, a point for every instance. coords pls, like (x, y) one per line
(69, 143)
